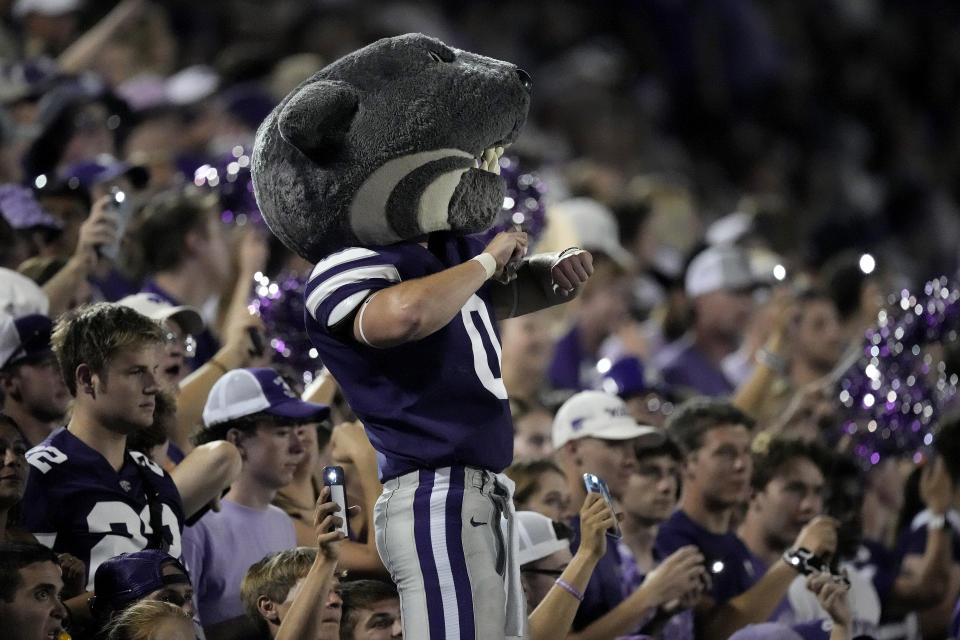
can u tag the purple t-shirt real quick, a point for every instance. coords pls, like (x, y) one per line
(683, 366)
(731, 565)
(431, 403)
(78, 504)
(222, 545)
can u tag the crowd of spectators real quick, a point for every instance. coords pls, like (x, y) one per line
(752, 179)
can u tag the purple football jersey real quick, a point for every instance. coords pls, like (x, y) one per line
(76, 503)
(431, 403)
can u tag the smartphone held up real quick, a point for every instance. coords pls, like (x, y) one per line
(595, 484)
(333, 478)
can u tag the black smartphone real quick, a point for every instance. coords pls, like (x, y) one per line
(333, 478)
(595, 484)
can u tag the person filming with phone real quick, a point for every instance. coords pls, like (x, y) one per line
(715, 438)
(256, 411)
(595, 437)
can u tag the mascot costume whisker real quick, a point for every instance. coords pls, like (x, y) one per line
(376, 169)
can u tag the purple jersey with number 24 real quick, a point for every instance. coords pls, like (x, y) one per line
(430, 403)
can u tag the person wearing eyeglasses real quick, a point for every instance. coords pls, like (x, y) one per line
(552, 578)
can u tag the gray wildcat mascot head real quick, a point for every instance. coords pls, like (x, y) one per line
(382, 146)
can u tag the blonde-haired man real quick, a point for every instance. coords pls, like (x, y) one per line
(89, 495)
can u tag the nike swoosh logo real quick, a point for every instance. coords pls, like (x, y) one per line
(475, 523)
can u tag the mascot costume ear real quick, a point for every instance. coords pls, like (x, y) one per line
(316, 119)
(382, 146)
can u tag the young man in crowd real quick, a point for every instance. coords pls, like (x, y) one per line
(786, 492)
(89, 495)
(31, 387)
(127, 578)
(295, 594)
(651, 496)
(30, 588)
(257, 412)
(715, 439)
(594, 433)
(187, 257)
(718, 283)
(371, 611)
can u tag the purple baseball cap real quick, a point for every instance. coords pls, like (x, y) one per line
(243, 392)
(104, 167)
(23, 338)
(627, 377)
(21, 209)
(130, 576)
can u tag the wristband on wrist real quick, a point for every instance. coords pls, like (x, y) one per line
(569, 588)
(488, 262)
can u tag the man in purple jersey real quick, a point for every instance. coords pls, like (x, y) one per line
(89, 495)
(409, 332)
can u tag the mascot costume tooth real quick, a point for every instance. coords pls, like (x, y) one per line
(377, 169)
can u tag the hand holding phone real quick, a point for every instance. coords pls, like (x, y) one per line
(595, 484)
(333, 478)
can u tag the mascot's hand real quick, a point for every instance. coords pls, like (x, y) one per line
(573, 268)
(505, 247)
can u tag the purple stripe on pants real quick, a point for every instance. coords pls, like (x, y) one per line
(421, 533)
(458, 563)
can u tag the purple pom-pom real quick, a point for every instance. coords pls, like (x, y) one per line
(900, 386)
(280, 305)
(522, 205)
(230, 177)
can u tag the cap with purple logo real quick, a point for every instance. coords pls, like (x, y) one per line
(243, 392)
(595, 414)
(24, 338)
(130, 576)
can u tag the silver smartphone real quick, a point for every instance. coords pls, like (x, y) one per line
(333, 478)
(595, 484)
(122, 208)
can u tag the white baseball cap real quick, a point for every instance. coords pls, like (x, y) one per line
(538, 537)
(596, 227)
(243, 392)
(157, 308)
(720, 268)
(595, 414)
(19, 295)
